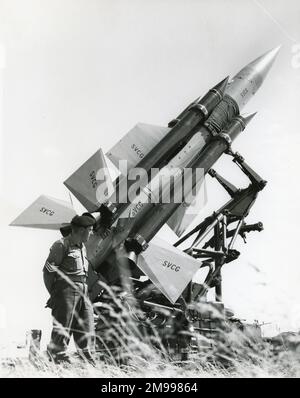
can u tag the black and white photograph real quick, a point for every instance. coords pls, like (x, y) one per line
(149, 171)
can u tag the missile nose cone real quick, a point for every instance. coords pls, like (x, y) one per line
(245, 84)
(263, 64)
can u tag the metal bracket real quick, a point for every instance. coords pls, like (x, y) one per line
(255, 178)
(201, 108)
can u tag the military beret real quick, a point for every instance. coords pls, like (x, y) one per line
(83, 221)
(65, 230)
(88, 215)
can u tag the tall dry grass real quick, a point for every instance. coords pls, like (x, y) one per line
(132, 346)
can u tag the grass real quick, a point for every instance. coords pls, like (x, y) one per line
(239, 362)
(285, 366)
(232, 354)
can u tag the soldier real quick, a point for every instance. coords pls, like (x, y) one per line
(65, 277)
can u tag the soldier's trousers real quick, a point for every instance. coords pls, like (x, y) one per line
(72, 314)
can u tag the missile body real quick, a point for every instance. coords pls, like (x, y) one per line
(176, 138)
(242, 87)
(214, 111)
(155, 219)
(239, 91)
(101, 243)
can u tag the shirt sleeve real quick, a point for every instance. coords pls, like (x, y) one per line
(55, 257)
(53, 261)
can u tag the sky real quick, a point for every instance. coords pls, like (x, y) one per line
(77, 75)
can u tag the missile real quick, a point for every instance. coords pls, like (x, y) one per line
(195, 139)
(242, 87)
(218, 112)
(190, 119)
(207, 116)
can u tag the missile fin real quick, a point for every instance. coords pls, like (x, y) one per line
(91, 184)
(186, 213)
(122, 229)
(45, 213)
(168, 268)
(136, 144)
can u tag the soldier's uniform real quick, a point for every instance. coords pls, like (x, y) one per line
(65, 277)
